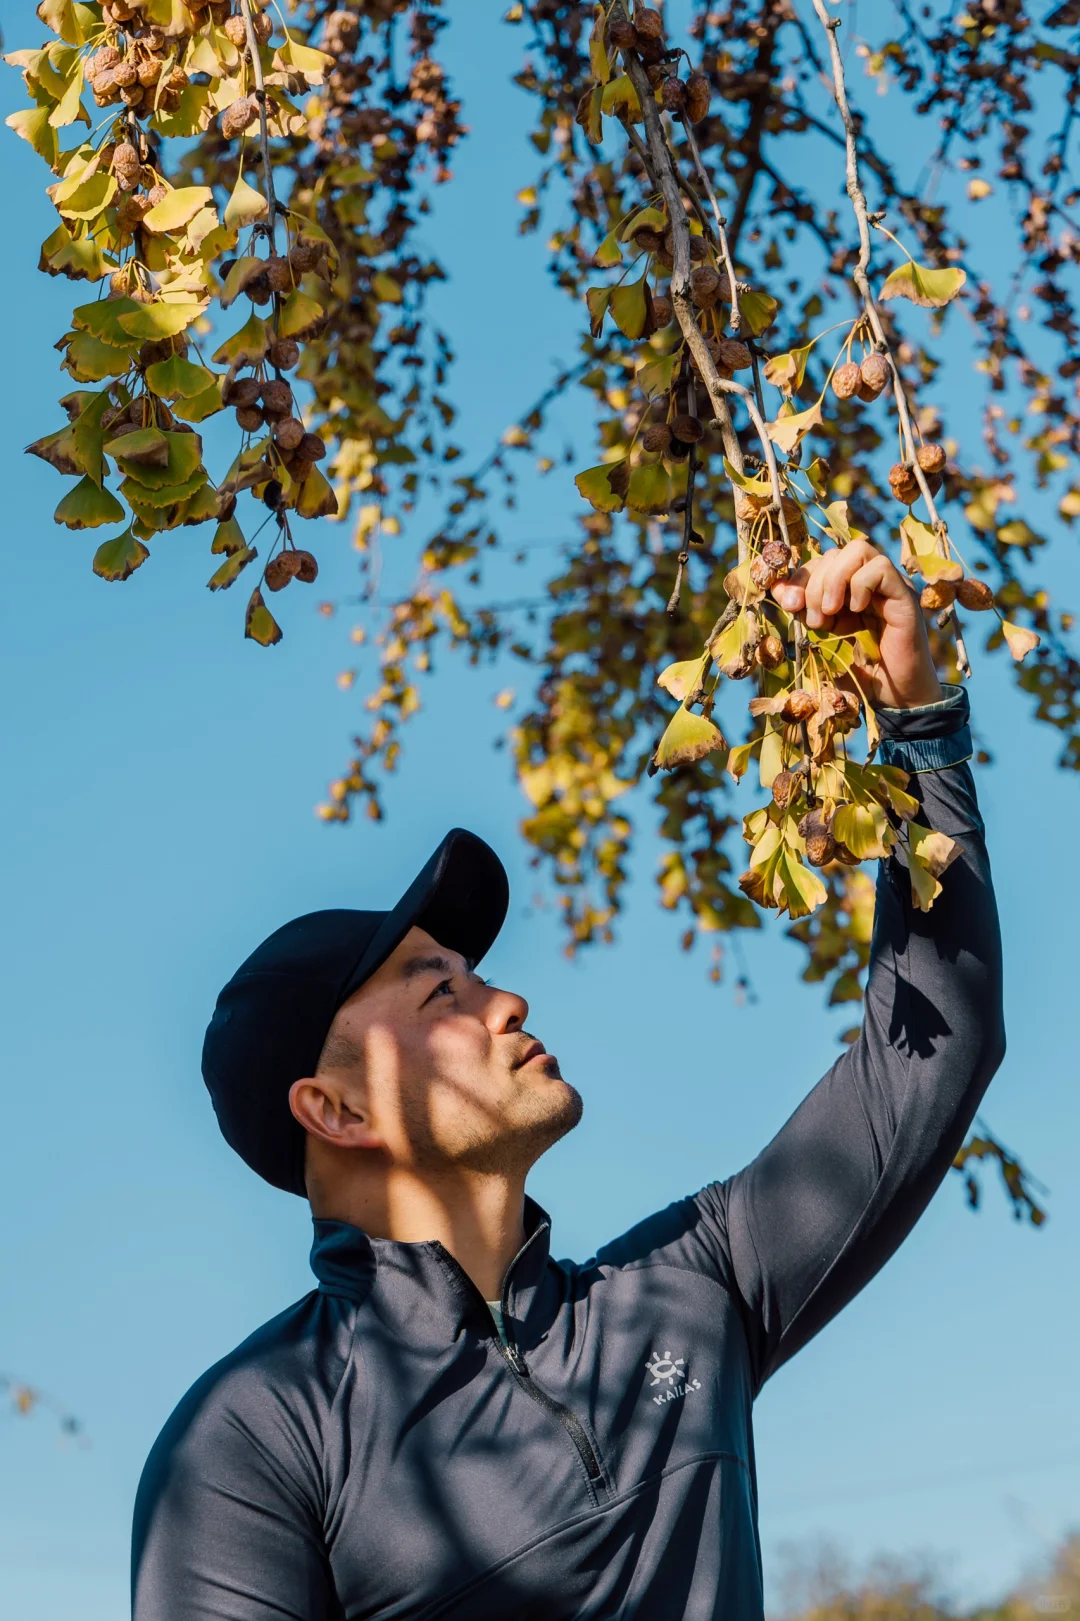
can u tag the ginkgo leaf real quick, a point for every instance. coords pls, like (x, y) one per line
(178, 378)
(244, 207)
(864, 829)
(597, 299)
(259, 623)
(224, 576)
(803, 891)
(299, 314)
(228, 537)
(70, 107)
(317, 497)
(146, 447)
(313, 64)
(684, 677)
(59, 450)
(201, 405)
(619, 95)
(590, 114)
(1021, 640)
(117, 559)
(787, 371)
(78, 258)
(756, 485)
(630, 307)
(151, 322)
(978, 188)
(608, 253)
(654, 218)
(656, 376)
(32, 123)
(88, 506)
(594, 484)
(87, 200)
(176, 209)
(650, 488)
(689, 737)
(923, 285)
(934, 851)
(599, 60)
(246, 347)
(758, 311)
(932, 566)
(89, 360)
(739, 758)
(787, 431)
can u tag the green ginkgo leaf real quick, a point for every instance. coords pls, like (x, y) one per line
(597, 299)
(88, 506)
(259, 623)
(117, 559)
(599, 60)
(151, 322)
(224, 576)
(102, 320)
(178, 378)
(758, 310)
(299, 314)
(650, 488)
(89, 360)
(608, 253)
(630, 307)
(594, 484)
(689, 737)
(158, 471)
(246, 347)
(922, 285)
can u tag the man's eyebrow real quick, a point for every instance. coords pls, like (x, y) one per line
(427, 965)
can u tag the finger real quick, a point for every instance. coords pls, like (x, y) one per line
(791, 593)
(868, 581)
(840, 567)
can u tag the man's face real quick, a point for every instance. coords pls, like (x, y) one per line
(442, 1069)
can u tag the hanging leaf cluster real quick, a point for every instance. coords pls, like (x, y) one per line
(229, 274)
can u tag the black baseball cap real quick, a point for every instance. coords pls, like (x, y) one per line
(272, 1018)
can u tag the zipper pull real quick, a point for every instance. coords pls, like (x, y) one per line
(516, 1361)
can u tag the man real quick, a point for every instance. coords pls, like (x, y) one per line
(454, 1425)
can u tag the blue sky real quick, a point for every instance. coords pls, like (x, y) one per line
(157, 822)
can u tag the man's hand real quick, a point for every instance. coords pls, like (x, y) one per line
(856, 587)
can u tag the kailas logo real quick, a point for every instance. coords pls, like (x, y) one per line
(668, 1371)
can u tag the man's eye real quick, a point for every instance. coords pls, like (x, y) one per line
(445, 987)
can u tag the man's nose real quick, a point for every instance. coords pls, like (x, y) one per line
(505, 1012)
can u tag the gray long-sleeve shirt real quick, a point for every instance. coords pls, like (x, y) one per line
(377, 1451)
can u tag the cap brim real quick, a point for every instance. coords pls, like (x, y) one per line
(460, 898)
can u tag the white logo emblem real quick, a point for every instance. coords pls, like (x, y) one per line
(668, 1370)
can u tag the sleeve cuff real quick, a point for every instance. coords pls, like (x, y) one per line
(929, 738)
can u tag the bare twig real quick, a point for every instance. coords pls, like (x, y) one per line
(862, 282)
(721, 225)
(264, 133)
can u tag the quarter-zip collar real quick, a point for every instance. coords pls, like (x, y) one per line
(348, 1262)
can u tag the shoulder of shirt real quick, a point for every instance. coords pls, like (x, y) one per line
(304, 1348)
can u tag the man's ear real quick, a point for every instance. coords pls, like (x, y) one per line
(320, 1104)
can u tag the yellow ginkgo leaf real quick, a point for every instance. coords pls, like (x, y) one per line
(688, 738)
(1020, 640)
(924, 285)
(787, 431)
(176, 209)
(244, 207)
(684, 677)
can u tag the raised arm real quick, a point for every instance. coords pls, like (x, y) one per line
(811, 1220)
